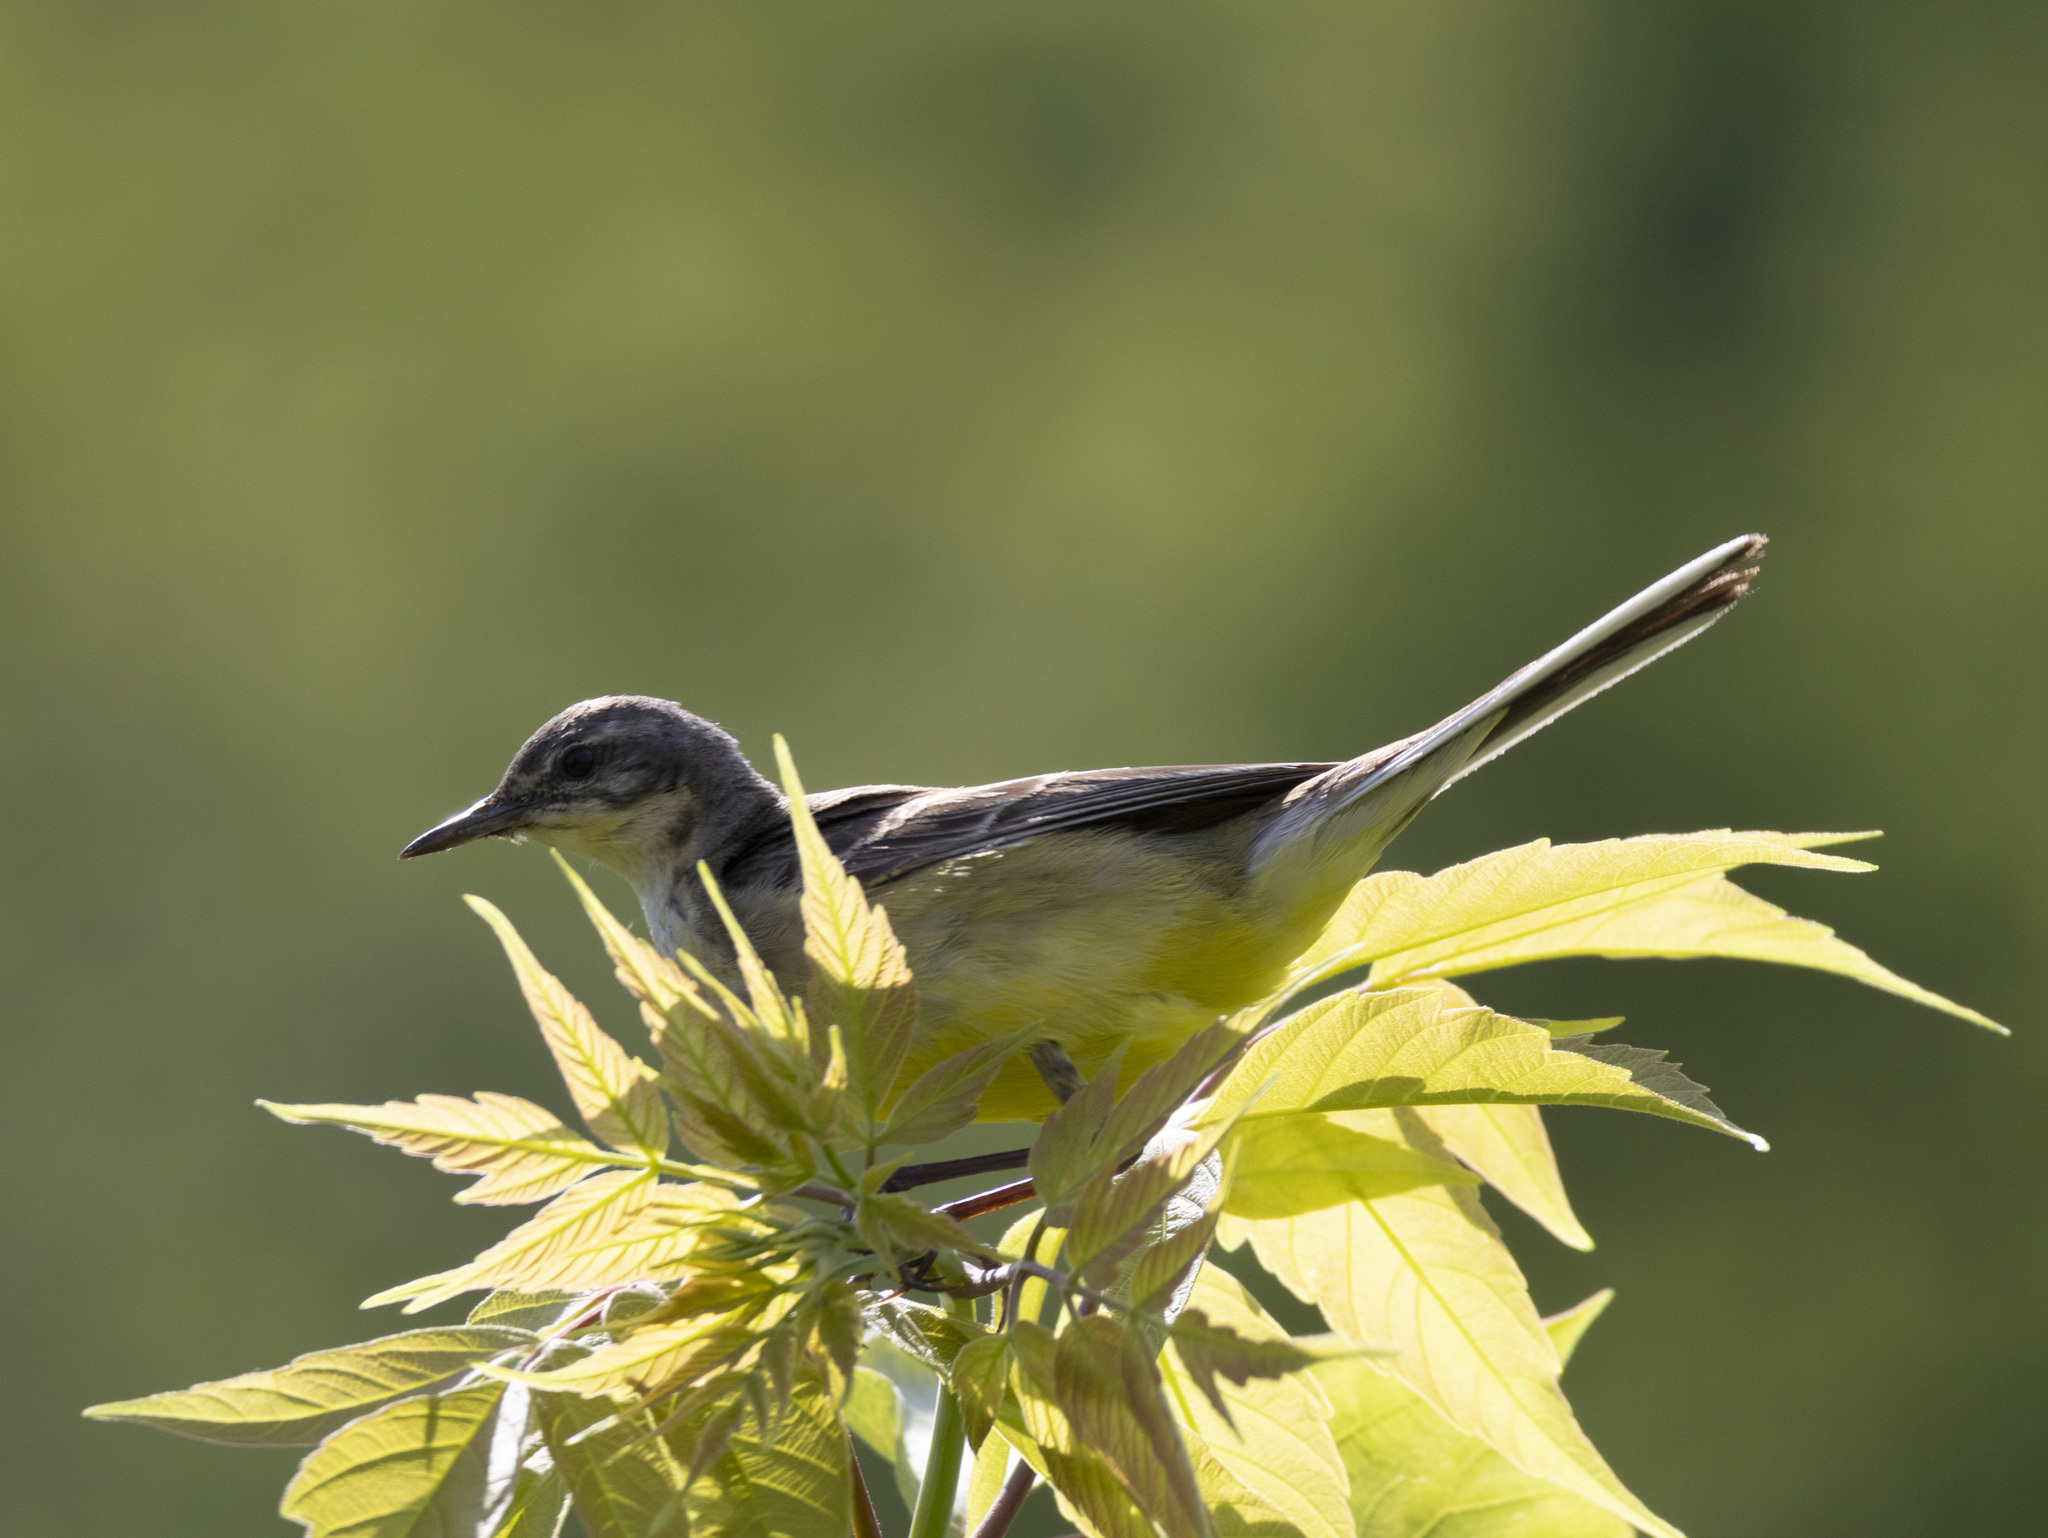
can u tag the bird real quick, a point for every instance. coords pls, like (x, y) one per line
(1108, 908)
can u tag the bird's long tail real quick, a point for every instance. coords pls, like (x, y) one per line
(1337, 824)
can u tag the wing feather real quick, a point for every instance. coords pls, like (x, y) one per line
(881, 832)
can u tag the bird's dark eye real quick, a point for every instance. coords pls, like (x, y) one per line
(578, 763)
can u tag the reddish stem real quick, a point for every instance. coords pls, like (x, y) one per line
(1009, 1501)
(989, 1201)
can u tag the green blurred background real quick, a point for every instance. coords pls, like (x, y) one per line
(966, 391)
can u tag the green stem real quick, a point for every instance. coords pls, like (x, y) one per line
(949, 1441)
(839, 1169)
(706, 1172)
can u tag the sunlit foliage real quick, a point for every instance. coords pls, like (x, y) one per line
(687, 1340)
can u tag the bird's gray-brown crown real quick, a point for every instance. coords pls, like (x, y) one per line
(625, 779)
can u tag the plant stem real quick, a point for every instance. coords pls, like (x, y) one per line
(707, 1172)
(1009, 1501)
(989, 1201)
(942, 1467)
(913, 1175)
(1013, 1290)
(865, 1523)
(817, 1193)
(588, 1316)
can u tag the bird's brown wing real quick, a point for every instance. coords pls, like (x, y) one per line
(884, 831)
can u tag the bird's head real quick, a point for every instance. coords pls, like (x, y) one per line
(630, 781)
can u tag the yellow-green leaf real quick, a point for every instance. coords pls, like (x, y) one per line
(1306, 1161)
(660, 1358)
(1425, 1274)
(1660, 895)
(1360, 1050)
(979, 1379)
(1109, 1389)
(787, 1479)
(705, 1051)
(614, 1093)
(942, 1099)
(735, 1137)
(1275, 1439)
(873, 1411)
(300, 1403)
(1210, 1349)
(620, 1226)
(1411, 1472)
(1566, 1328)
(892, 1404)
(626, 1480)
(1234, 1509)
(521, 1149)
(918, 1226)
(832, 1326)
(1158, 1278)
(1511, 894)
(515, 1310)
(1068, 1150)
(1087, 1488)
(722, 1291)
(1157, 1093)
(1706, 916)
(1510, 1148)
(1113, 1212)
(539, 1505)
(860, 980)
(771, 1011)
(929, 1335)
(420, 1468)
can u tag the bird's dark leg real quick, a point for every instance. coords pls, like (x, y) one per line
(1061, 1077)
(1056, 1068)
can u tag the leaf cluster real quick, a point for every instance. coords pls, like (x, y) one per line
(683, 1338)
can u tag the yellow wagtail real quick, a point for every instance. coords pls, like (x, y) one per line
(1107, 906)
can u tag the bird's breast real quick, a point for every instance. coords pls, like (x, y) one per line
(1100, 938)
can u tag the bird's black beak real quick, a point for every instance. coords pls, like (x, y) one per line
(488, 816)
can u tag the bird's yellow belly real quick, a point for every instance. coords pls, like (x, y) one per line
(1099, 938)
